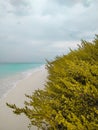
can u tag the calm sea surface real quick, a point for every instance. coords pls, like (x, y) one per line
(10, 74)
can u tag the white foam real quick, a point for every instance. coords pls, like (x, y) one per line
(9, 83)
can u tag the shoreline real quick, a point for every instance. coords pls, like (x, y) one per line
(10, 121)
(23, 75)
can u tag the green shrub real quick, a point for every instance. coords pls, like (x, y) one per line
(70, 98)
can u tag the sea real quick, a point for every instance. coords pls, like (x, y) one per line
(12, 73)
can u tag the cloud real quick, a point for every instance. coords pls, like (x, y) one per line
(65, 44)
(17, 7)
(18, 3)
(74, 2)
(38, 29)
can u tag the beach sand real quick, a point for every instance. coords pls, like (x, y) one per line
(10, 121)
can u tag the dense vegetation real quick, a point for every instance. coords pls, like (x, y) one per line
(70, 98)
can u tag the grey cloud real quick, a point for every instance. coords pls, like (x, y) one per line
(15, 7)
(43, 32)
(73, 2)
(26, 52)
(18, 3)
(67, 2)
(20, 7)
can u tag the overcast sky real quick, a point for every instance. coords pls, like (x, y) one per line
(35, 30)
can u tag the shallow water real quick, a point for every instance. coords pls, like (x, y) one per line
(11, 74)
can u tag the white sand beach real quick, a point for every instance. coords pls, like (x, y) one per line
(10, 121)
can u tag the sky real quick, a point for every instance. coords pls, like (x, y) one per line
(35, 30)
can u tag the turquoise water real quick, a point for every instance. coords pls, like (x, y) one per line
(10, 69)
(10, 74)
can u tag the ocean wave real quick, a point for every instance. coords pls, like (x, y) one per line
(10, 82)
